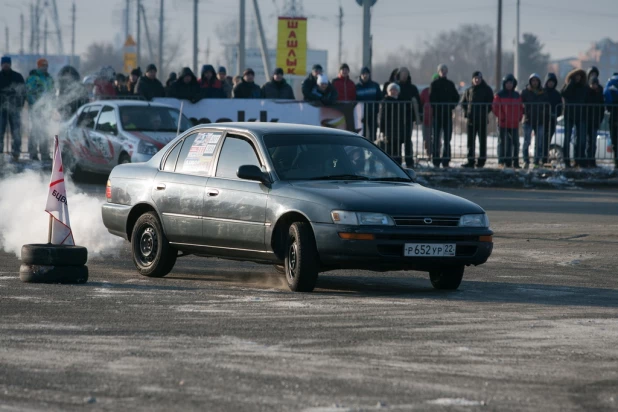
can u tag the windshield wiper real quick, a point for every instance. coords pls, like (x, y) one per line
(340, 177)
(391, 179)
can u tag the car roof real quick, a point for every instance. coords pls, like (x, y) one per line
(128, 102)
(265, 128)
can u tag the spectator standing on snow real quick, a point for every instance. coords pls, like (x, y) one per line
(226, 82)
(555, 103)
(368, 92)
(393, 126)
(509, 110)
(476, 105)
(575, 93)
(133, 79)
(149, 86)
(186, 87)
(611, 103)
(536, 116)
(12, 99)
(410, 99)
(428, 120)
(346, 89)
(277, 87)
(247, 89)
(39, 86)
(311, 82)
(594, 117)
(444, 98)
(211, 87)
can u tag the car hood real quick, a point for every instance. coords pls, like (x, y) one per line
(408, 199)
(159, 139)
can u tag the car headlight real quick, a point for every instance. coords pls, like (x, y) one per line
(480, 220)
(342, 217)
(147, 148)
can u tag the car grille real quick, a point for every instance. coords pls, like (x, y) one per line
(426, 220)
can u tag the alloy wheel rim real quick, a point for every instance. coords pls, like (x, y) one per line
(292, 260)
(148, 244)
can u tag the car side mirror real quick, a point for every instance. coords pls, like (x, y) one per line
(412, 174)
(252, 172)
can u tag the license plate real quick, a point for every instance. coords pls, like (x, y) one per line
(428, 249)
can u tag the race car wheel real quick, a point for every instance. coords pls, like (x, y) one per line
(53, 274)
(447, 278)
(301, 258)
(152, 254)
(53, 255)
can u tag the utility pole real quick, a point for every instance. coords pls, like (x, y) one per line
(127, 15)
(21, 33)
(161, 10)
(73, 21)
(45, 38)
(366, 33)
(138, 35)
(340, 52)
(147, 32)
(31, 28)
(207, 51)
(499, 47)
(263, 47)
(6, 39)
(195, 47)
(517, 43)
(240, 61)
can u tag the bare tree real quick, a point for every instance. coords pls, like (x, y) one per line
(99, 55)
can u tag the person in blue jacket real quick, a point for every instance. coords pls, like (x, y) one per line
(369, 93)
(611, 104)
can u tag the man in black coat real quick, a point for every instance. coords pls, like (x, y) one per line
(594, 117)
(536, 115)
(310, 83)
(368, 92)
(393, 121)
(555, 103)
(277, 87)
(12, 99)
(476, 104)
(149, 86)
(247, 89)
(443, 97)
(185, 87)
(575, 94)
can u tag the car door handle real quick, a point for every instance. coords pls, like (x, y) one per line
(160, 186)
(212, 193)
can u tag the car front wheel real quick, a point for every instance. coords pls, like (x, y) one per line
(447, 278)
(152, 254)
(301, 258)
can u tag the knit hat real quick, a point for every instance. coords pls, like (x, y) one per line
(344, 66)
(248, 71)
(151, 67)
(278, 70)
(322, 79)
(5, 60)
(41, 62)
(136, 72)
(222, 70)
(393, 86)
(365, 70)
(477, 74)
(316, 67)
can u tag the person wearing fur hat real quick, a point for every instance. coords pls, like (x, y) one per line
(211, 87)
(575, 94)
(247, 89)
(12, 99)
(346, 89)
(392, 119)
(536, 116)
(38, 86)
(507, 107)
(594, 117)
(444, 98)
(476, 104)
(368, 92)
(277, 87)
(149, 86)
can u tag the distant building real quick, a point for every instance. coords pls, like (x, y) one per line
(602, 54)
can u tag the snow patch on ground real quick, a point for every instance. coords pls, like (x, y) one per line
(455, 402)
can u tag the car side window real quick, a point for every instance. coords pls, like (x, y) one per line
(172, 157)
(107, 121)
(196, 155)
(235, 152)
(90, 117)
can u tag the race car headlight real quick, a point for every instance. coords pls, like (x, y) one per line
(146, 148)
(342, 217)
(480, 220)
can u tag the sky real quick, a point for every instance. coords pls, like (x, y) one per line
(566, 27)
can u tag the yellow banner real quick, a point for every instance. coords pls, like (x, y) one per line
(292, 45)
(130, 55)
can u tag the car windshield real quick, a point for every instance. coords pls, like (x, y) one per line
(330, 157)
(152, 119)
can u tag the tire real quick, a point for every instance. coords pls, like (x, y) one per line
(448, 278)
(279, 268)
(53, 274)
(301, 258)
(124, 159)
(53, 255)
(152, 254)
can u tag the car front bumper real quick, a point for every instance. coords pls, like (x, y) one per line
(386, 250)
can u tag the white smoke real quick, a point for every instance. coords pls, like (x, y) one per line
(24, 220)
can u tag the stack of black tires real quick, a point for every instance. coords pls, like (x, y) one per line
(47, 263)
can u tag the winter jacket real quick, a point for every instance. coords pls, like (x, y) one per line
(308, 85)
(185, 91)
(443, 94)
(596, 110)
(553, 96)
(149, 89)
(592, 71)
(536, 105)
(12, 90)
(508, 107)
(346, 89)
(409, 93)
(213, 88)
(612, 108)
(277, 90)
(247, 90)
(427, 112)
(610, 88)
(476, 103)
(368, 92)
(326, 97)
(37, 85)
(575, 94)
(104, 88)
(393, 119)
(227, 87)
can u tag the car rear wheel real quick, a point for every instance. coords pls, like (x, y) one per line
(301, 258)
(447, 278)
(152, 254)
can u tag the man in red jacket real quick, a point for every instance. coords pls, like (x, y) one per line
(346, 89)
(508, 108)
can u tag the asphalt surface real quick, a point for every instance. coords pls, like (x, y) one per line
(533, 329)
